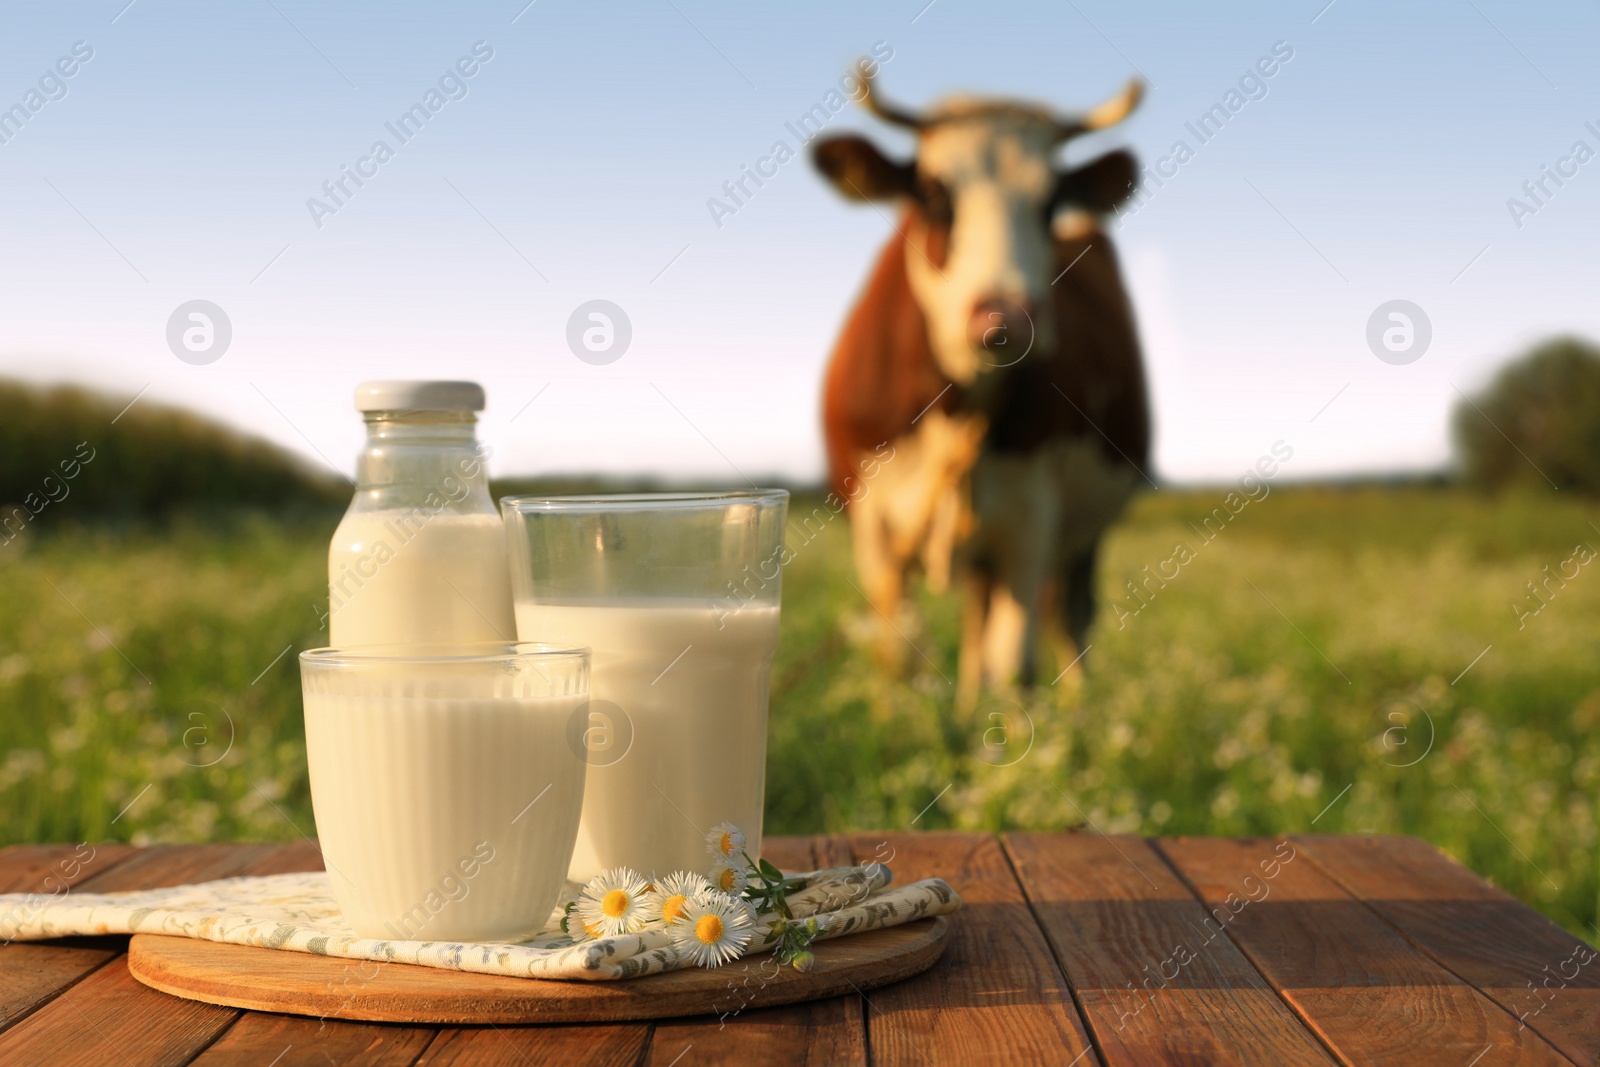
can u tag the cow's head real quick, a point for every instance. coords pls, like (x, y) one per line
(983, 191)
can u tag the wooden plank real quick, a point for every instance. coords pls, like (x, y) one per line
(156, 866)
(1527, 964)
(822, 1032)
(31, 974)
(107, 1016)
(790, 853)
(602, 1045)
(296, 856)
(833, 851)
(1367, 991)
(53, 868)
(1131, 939)
(259, 1038)
(997, 996)
(818, 1034)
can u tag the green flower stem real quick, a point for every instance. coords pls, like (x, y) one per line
(766, 889)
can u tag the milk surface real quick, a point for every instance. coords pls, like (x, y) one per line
(690, 679)
(443, 818)
(410, 577)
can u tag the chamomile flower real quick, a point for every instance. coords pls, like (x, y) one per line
(676, 890)
(729, 876)
(713, 929)
(615, 902)
(576, 928)
(725, 841)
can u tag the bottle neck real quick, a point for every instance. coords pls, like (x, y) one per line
(428, 459)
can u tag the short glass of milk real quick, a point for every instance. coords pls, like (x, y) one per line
(676, 595)
(445, 791)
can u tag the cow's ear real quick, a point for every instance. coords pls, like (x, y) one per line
(1099, 185)
(859, 171)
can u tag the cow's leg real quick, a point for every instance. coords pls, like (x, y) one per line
(939, 548)
(1005, 639)
(1017, 511)
(974, 616)
(1075, 605)
(1016, 624)
(1099, 488)
(1079, 602)
(882, 575)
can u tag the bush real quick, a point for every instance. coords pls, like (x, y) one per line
(61, 444)
(1538, 421)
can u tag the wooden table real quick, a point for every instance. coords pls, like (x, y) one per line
(1072, 949)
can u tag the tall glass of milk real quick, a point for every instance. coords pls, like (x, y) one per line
(420, 556)
(676, 595)
(446, 795)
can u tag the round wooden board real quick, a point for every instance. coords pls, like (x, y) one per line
(300, 983)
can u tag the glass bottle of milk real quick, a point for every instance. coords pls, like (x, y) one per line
(420, 557)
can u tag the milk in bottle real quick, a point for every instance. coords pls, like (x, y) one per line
(420, 557)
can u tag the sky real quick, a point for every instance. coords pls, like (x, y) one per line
(577, 160)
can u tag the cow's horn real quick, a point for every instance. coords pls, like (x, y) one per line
(1109, 113)
(886, 112)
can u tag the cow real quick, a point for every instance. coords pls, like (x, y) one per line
(985, 408)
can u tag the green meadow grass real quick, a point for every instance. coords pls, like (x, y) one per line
(1321, 641)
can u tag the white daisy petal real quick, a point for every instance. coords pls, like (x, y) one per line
(615, 902)
(725, 839)
(728, 876)
(714, 929)
(675, 891)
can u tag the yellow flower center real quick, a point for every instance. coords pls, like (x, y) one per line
(614, 904)
(708, 929)
(726, 844)
(725, 880)
(672, 907)
(592, 929)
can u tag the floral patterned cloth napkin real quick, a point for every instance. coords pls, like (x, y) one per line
(297, 912)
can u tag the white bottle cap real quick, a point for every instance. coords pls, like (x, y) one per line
(419, 396)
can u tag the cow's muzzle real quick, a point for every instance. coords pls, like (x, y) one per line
(1002, 327)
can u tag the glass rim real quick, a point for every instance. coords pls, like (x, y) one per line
(670, 501)
(454, 654)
